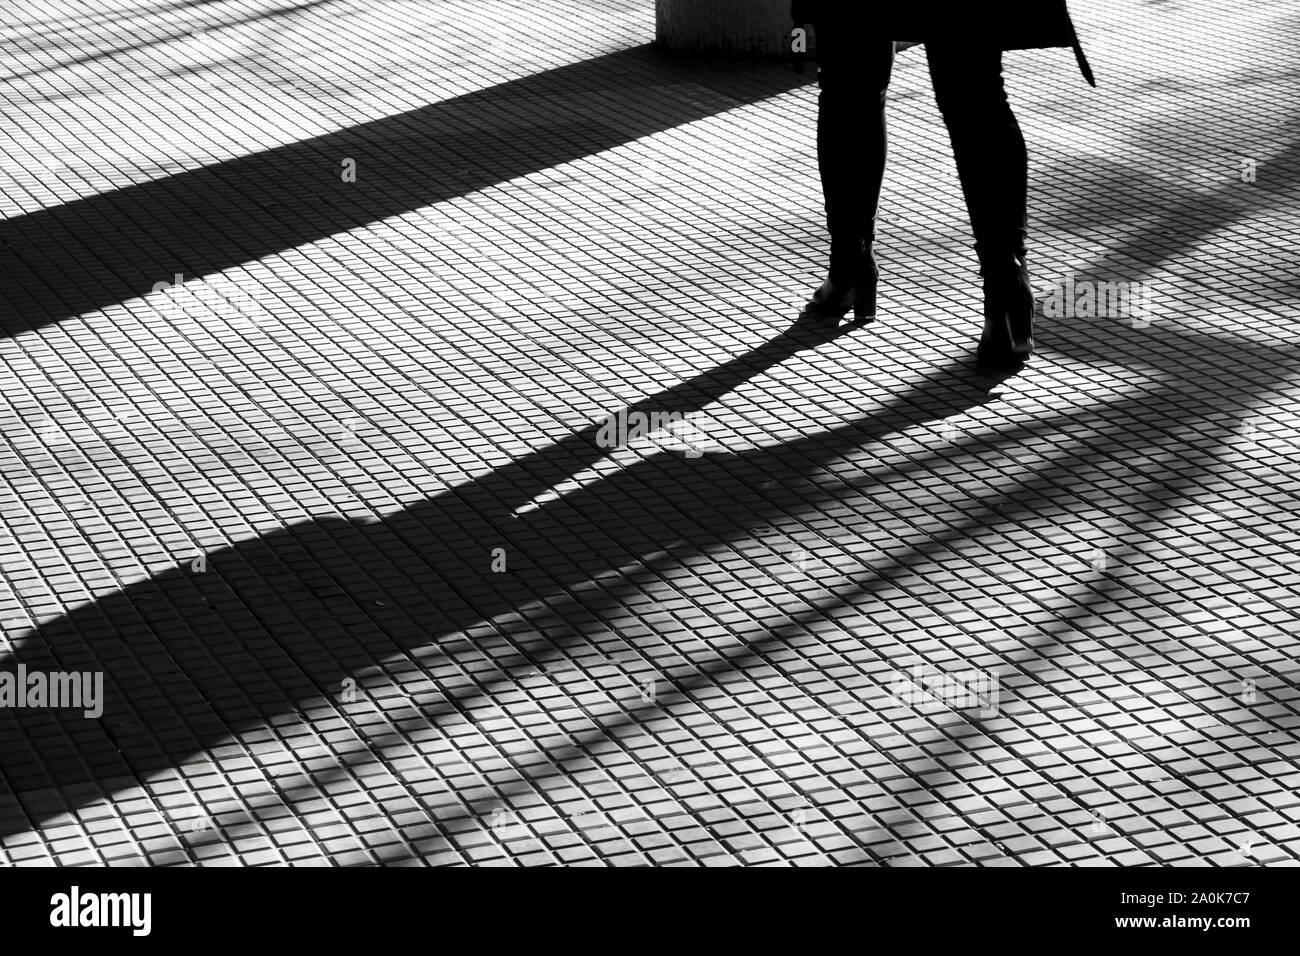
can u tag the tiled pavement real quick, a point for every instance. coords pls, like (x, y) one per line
(334, 518)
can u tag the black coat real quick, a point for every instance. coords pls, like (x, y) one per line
(1011, 24)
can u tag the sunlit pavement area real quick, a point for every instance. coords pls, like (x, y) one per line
(314, 313)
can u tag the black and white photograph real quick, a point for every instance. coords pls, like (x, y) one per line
(650, 433)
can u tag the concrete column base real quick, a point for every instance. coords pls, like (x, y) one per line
(726, 29)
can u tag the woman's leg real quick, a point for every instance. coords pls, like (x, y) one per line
(994, 171)
(853, 74)
(986, 143)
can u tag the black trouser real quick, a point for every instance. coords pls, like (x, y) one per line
(853, 73)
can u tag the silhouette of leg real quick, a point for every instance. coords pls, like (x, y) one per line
(993, 167)
(986, 143)
(853, 73)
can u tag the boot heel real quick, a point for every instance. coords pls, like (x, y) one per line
(864, 295)
(836, 299)
(864, 302)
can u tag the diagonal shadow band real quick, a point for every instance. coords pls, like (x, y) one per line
(109, 248)
(1166, 481)
(191, 658)
(1167, 477)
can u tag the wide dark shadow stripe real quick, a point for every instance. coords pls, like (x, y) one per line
(281, 620)
(94, 252)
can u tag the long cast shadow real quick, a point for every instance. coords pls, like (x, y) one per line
(114, 247)
(1166, 479)
(194, 656)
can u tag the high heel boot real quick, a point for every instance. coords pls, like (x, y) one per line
(1008, 337)
(850, 285)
